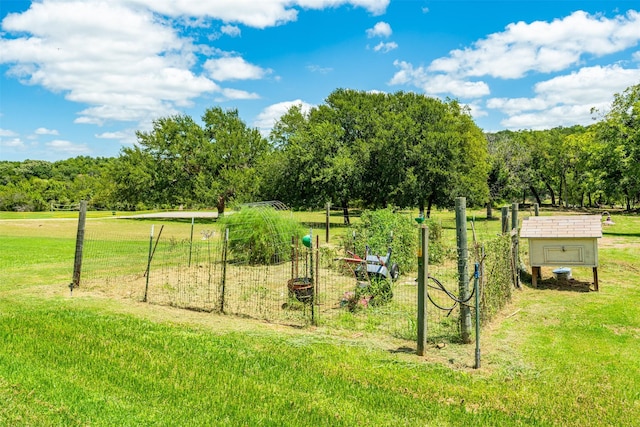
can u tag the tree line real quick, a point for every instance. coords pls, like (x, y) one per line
(357, 149)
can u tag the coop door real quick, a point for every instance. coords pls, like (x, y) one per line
(564, 254)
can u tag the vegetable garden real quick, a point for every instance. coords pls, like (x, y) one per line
(248, 264)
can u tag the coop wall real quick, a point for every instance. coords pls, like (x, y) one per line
(563, 252)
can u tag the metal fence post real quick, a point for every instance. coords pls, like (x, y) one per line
(191, 240)
(516, 243)
(224, 269)
(423, 277)
(476, 289)
(146, 286)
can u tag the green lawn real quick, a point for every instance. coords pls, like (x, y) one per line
(552, 358)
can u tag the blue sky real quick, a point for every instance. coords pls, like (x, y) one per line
(79, 77)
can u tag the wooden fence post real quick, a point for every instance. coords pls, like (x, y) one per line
(516, 244)
(77, 263)
(505, 219)
(463, 270)
(327, 225)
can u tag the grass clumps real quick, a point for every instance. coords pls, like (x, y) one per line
(261, 235)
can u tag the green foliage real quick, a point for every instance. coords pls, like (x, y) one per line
(383, 229)
(380, 149)
(619, 133)
(378, 291)
(437, 251)
(371, 150)
(497, 279)
(34, 185)
(386, 228)
(261, 235)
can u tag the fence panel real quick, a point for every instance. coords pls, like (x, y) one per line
(201, 273)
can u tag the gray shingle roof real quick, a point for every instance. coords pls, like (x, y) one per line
(582, 226)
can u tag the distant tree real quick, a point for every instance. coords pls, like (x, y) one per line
(163, 168)
(509, 173)
(434, 152)
(620, 134)
(321, 156)
(181, 163)
(231, 155)
(402, 149)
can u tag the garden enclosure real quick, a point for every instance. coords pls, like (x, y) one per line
(200, 265)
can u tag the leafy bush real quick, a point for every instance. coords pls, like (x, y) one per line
(437, 251)
(382, 229)
(385, 228)
(261, 235)
(498, 276)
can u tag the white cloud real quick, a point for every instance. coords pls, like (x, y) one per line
(566, 100)
(7, 133)
(112, 135)
(125, 137)
(45, 131)
(252, 13)
(67, 147)
(11, 143)
(268, 117)
(319, 69)
(385, 47)
(542, 46)
(522, 48)
(230, 30)
(233, 68)
(381, 29)
(124, 63)
(437, 84)
(516, 105)
(126, 60)
(561, 115)
(239, 94)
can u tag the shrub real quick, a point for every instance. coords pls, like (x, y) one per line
(261, 235)
(382, 229)
(436, 249)
(385, 228)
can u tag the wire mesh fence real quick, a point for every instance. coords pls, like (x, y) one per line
(194, 268)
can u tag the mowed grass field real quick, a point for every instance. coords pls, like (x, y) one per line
(553, 357)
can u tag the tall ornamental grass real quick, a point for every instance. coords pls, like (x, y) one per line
(261, 235)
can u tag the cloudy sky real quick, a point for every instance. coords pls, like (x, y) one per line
(79, 77)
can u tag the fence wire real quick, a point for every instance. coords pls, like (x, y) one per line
(194, 269)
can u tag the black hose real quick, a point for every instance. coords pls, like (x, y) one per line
(449, 293)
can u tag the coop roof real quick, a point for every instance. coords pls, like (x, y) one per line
(577, 226)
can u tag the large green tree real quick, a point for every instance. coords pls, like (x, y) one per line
(402, 149)
(620, 134)
(180, 162)
(231, 155)
(162, 169)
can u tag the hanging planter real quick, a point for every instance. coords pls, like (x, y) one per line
(301, 288)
